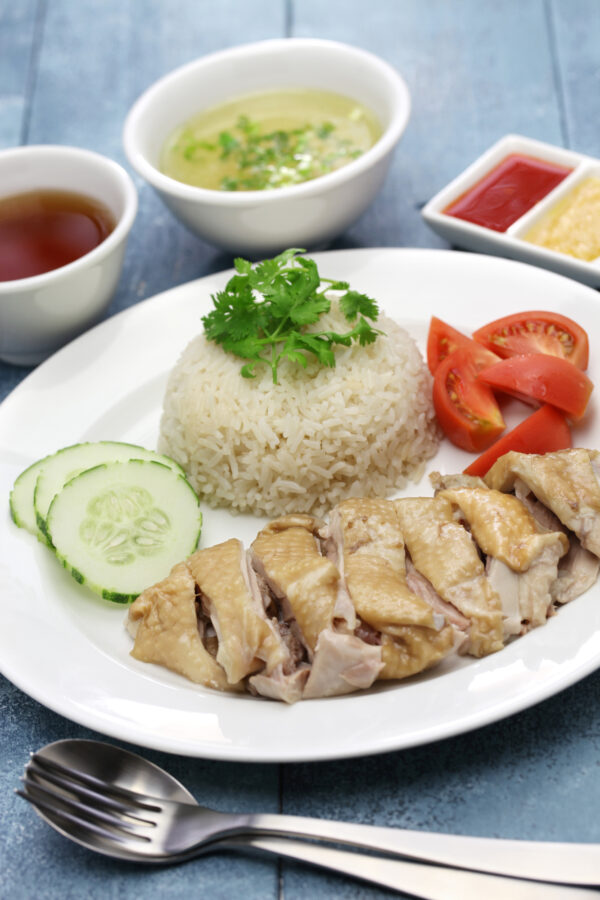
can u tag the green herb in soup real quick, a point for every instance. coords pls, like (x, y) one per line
(269, 140)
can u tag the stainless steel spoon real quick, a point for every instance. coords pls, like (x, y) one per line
(126, 770)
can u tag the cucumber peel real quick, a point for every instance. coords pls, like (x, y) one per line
(21, 498)
(121, 526)
(60, 467)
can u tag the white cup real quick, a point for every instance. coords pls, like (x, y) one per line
(41, 313)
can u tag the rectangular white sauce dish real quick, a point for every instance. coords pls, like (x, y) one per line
(513, 241)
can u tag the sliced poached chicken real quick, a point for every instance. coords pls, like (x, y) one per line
(443, 552)
(522, 563)
(364, 537)
(287, 555)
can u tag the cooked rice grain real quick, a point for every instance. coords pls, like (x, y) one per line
(360, 429)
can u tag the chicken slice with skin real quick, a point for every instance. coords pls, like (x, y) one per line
(369, 549)
(443, 552)
(163, 622)
(502, 526)
(522, 563)
(247, 640)
(287, 555)
(578, 569)
(414, 651)
(565, 481)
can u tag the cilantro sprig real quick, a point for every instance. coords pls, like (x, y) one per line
(261, 160)
(264, 312)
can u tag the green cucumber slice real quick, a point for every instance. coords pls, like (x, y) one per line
(121, 526)
(70, 461)
(21, 498)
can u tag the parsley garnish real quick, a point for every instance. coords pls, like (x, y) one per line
(264, 311)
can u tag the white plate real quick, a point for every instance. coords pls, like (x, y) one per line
(69, 650)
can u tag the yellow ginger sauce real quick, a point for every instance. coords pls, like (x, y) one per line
(572, 226)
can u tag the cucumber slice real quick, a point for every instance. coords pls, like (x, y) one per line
(121, 526)
(21, 498)
(70, 461)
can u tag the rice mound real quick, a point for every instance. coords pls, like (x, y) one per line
(318, 436)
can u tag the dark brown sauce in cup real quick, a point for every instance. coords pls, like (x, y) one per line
(46, 229)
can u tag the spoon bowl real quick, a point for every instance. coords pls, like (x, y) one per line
(121, 768)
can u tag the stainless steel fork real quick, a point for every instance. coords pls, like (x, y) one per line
(151, 829)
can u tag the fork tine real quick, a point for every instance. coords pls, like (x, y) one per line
(37, 795)
(124, 823)
(97, 798)
(105, 788)
(44, 792)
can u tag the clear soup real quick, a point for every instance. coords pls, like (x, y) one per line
(269, 140)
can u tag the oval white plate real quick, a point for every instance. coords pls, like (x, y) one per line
(69, 650)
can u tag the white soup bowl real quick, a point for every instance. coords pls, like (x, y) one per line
(304, 215)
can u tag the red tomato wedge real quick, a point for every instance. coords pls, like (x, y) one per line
(544, 431)
(536, 332)
(443, 339)
(547, 379)
(465, 407)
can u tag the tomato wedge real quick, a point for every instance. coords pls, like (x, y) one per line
(547, 379)
(465, 407)
(536, 332)
(443, 339)
(544, 431)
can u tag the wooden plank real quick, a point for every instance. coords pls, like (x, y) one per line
(532, 777)
(575, 28)
(95, 61)
(476, 71)
(59, 869)
(18, 34)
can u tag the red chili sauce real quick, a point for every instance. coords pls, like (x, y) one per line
(507, 192)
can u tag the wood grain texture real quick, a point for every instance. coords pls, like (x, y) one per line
(118, 50)
(575, 32)
(476, 69)
(19, 43)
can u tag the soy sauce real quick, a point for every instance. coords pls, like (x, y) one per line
(44, 230)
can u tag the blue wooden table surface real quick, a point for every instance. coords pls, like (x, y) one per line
(476, 69)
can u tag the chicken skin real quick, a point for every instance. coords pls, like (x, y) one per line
(287, 555)
(369, 549)
(164, 624)
(566, 482)
(444, 553)
(522, 563)
(247, 640)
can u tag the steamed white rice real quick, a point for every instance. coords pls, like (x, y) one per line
(360, 429)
